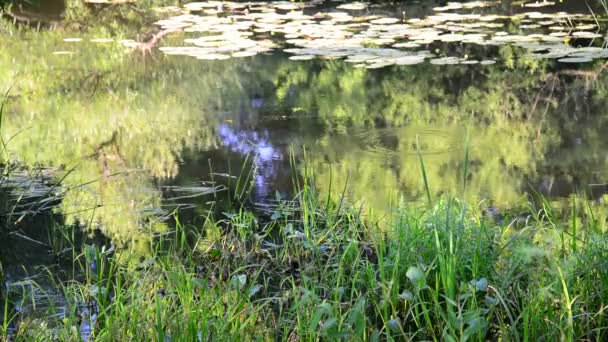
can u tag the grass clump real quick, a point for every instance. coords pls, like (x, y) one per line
(319, 270)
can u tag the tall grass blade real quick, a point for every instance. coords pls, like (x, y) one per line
(423, 170)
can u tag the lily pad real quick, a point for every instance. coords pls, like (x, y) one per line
(355, 6)
(302, 57)
(575, 60)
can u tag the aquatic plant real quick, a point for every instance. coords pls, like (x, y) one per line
(370, 40)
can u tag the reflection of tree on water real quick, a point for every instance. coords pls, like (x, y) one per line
(120, 138)
(166, 125)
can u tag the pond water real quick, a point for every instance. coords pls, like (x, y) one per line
(513, 92)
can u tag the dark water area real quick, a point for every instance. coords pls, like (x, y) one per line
(142, 134)
(34, 11)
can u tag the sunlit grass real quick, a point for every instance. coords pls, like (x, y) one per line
(319, 270)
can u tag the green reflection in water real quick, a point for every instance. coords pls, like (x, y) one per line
(124, 122)
(521, 118)
(108, 114)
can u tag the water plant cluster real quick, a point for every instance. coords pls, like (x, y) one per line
(355, 32)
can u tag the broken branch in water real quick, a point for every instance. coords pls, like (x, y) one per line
(147, 46)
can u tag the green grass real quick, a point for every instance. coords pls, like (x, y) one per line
(321, 270)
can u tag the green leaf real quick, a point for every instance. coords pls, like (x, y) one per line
(406, 295)
(254, 290)
(322, 310)
(395, 325)
(230, 215)
(215, 254)
(356, 317)
(491, 301)
(481, 284)
(239, 280)
(416, 276)
(330, 327)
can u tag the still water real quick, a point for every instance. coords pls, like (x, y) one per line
(133, 134)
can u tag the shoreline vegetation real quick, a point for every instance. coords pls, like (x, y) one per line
(319, 267)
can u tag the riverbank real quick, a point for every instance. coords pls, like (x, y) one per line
(320, 269)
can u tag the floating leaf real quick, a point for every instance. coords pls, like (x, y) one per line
(302, 57)
(354, 6)
(575, 60)
(337, 34)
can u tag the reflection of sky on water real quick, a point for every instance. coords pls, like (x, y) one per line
(257, 145)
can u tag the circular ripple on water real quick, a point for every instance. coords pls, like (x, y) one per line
(387, 141)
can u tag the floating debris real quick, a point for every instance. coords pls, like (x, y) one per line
(101, 40)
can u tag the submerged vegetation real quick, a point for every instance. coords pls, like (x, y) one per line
(449, 200)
